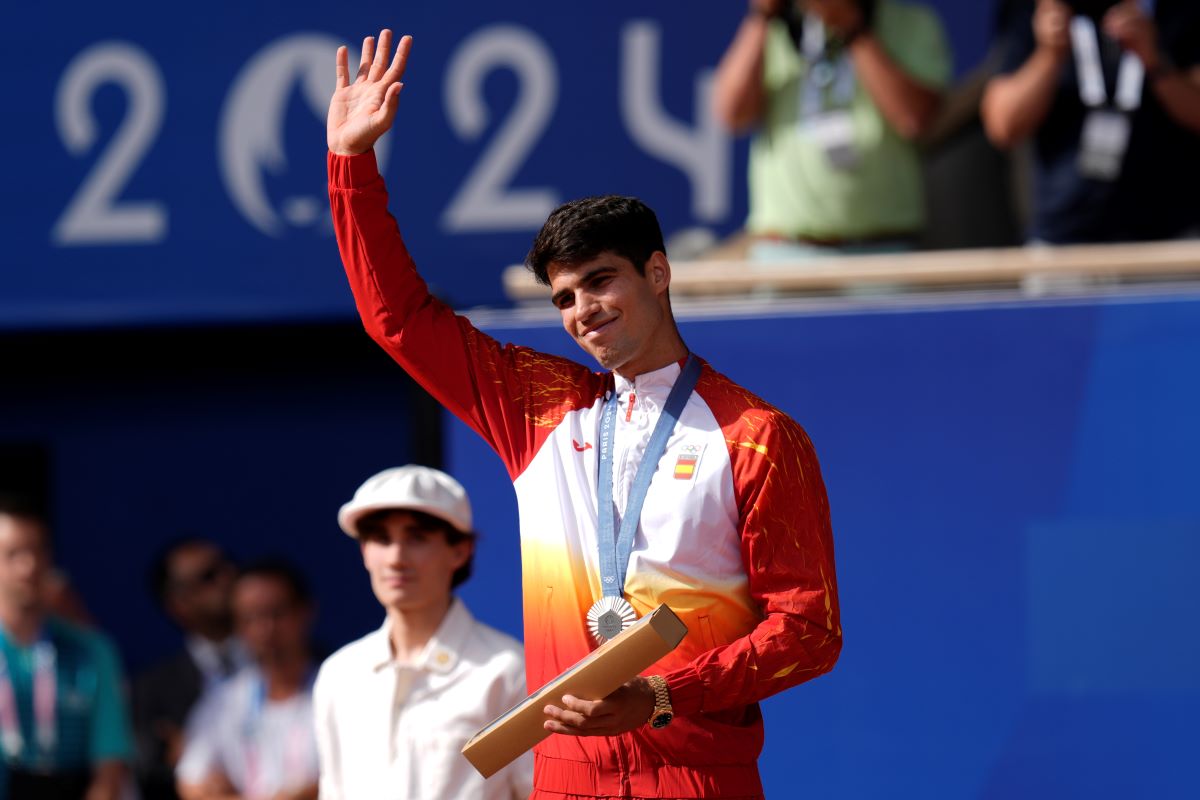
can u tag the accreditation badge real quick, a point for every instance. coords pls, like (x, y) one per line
(1103, 144)
(833, 132)
(608, 616)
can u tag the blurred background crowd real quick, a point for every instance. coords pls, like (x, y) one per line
(76, 725)
(1079, 125)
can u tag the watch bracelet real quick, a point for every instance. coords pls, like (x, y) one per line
(662, 694)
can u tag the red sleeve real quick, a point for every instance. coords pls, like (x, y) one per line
(787, 550)
(511, 396)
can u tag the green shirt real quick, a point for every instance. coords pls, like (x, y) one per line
(794, 189)
(91, 721)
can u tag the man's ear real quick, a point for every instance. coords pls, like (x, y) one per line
(463, 550)
(658, 271)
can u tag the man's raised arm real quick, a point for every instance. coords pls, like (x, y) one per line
(485, 385)
(363, 110)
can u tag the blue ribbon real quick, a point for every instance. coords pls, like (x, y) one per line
(615, 551)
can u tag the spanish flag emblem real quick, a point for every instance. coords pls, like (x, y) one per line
(685, 464)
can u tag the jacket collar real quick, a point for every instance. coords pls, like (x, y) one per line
(657, 381)
(440, 654)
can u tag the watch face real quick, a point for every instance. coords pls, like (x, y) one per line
(662, 720)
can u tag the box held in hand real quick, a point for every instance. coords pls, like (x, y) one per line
(597, 675)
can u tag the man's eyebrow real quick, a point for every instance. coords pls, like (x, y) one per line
(587, 277)
(372, 529)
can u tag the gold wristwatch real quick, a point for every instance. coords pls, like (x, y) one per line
(662, 714)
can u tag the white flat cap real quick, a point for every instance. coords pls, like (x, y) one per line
(409, 488)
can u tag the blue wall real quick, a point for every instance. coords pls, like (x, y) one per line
(1017, 531)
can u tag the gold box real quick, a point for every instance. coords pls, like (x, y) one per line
(596, 675)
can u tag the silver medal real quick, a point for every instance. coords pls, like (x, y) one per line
(608, 616)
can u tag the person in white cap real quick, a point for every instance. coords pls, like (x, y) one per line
(394, 709)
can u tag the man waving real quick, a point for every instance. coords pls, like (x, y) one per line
(657, 480)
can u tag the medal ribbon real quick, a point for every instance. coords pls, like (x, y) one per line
(1085, 43)
(615, 550)
(45, 700)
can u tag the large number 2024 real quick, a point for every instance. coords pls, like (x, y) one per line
(486, 201)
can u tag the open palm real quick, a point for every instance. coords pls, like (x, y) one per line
(362, 111)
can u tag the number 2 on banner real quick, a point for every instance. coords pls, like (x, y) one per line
(484, 202)
(94, 215)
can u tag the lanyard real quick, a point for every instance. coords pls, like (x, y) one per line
(615, 551)
(295, 759)
(1085, 43)
(823, 72)
(45, 691)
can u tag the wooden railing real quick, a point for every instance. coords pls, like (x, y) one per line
(937, 269)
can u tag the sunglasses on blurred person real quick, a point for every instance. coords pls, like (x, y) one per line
(206, 577)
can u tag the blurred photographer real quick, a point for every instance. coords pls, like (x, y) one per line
(836, 91)
(1109, 92)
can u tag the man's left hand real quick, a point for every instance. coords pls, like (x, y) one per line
(841, 17)
(625, 709)
(1136, 32)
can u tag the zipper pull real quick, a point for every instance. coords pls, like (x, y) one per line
(629, 409)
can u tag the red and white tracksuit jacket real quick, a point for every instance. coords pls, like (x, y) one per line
(734, 535)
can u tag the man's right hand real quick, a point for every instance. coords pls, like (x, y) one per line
(1051, 27)
(362, 111)
(769, 9)
(843, 18)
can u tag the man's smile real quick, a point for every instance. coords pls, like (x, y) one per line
(597, 330)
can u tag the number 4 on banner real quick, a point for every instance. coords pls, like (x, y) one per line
(701, 153)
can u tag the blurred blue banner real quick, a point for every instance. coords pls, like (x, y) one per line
(170, 160)
(166, 161)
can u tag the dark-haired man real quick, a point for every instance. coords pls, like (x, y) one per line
(192, 579)
(659, 482)
(395, 708)
(64, 729)
(251, 736)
